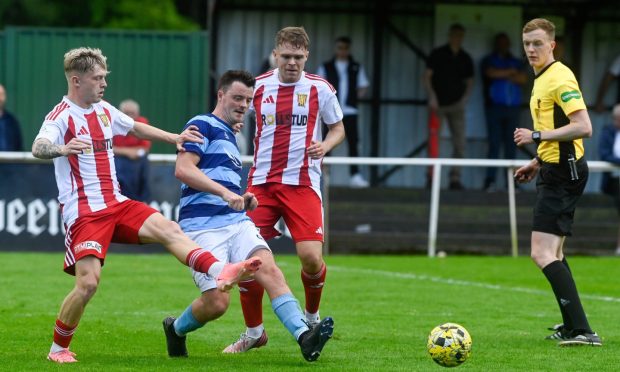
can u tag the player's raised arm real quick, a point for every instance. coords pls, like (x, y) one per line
(149, 132)
(186, 171)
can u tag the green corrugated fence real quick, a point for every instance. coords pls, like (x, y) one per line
(165, 72)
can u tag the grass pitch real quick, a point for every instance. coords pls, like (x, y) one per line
(383, 307)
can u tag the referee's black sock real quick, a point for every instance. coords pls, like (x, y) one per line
(565, 318)
(566, 294)
(566, 264)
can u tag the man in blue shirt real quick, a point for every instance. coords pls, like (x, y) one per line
(503, 76)
(213, 214)
(10, 134)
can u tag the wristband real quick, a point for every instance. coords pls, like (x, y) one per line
(538, 159)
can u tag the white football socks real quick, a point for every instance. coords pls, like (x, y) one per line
(215, 269)
(255, 332)
(56, 348)
(312, 318)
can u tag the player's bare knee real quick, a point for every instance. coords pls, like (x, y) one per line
(87, 286)
(215, 303)
(312, 263)
(219, 307)
(171, 231)
(269, 273)
(541, 259)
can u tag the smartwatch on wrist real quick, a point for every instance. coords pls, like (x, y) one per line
(536, 136)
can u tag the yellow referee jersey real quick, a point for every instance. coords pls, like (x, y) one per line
(556, 95)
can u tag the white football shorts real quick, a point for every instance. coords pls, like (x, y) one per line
(229, 244)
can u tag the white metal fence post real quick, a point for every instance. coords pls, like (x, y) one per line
(432, 221)
(512, 206)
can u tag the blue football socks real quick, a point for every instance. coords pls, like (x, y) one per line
(186, 323)
(287, 309)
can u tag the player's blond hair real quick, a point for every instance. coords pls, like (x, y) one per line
(84, 59)
(295, 36)
(540, 24)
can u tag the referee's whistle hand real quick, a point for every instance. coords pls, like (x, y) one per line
(525, 174)
(523, 136)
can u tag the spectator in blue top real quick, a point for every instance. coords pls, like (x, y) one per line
(10, 134)
(503, 77)
(609, 150)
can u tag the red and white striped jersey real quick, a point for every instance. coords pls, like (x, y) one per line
(87, 181)
(288, 119)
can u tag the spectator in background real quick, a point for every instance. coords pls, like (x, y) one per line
(268, 64)
(448, 80)
(612, 74)
(609, 150)
(351, 83)
(503, 75)
(131, 160)
(10, 133)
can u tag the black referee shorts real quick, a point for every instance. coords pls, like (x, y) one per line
(557, 197)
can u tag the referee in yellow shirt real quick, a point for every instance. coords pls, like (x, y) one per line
(560, 122)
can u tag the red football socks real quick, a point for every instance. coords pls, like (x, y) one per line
(313, 286)
(200, 260)
(251, 294)
(63, 334)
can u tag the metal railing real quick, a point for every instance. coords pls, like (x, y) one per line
(436, 163)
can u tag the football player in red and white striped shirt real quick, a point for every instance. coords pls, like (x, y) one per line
(77, 134)
(290, 105)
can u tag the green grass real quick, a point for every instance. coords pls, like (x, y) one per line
(383, 306)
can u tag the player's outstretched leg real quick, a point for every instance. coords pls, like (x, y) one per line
(174, 343)
(313, 341)
(233, 273)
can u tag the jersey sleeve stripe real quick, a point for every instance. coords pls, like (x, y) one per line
(265, 75)
(57, 110)
(319, 78)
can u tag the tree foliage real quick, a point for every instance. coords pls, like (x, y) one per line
(121, 14)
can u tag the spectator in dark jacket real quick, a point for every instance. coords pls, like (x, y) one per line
(10, 133)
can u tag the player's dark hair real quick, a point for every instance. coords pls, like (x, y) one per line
(296, 36)
(231, 76)
(343, 39)
(457, 27)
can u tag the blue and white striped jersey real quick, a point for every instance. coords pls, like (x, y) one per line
(220, 160)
